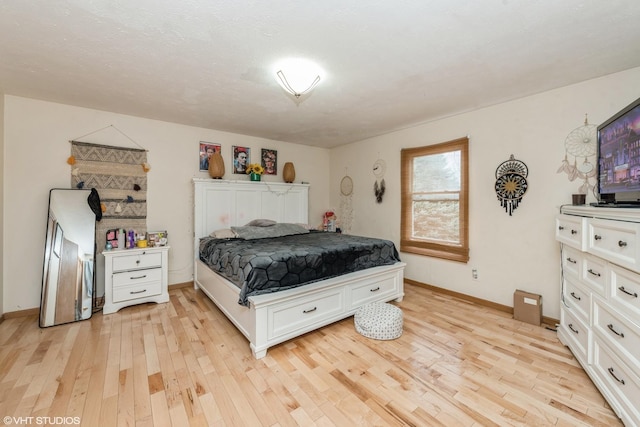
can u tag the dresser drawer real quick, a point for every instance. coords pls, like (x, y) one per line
(135, 277)
(136, 261)
(625, 291)
(363, 294)
(571, 230)
(614, 241)
(594, 274)
(622, 334)
(300, 313)
(619, 380)
(578, 334)
(572, 261)
(577, 299)
(142, 290)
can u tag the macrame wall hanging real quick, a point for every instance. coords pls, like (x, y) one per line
(119, 174)
(511, 183)
(581, 145)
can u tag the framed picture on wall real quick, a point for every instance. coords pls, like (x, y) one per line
(269, 161)
(206, 150)
(241, 158)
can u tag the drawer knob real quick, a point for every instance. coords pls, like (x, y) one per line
(597, 237)
(622, 289)
(573, 294)
(571, 260)
(375, 289)
(560, 228)
(622, 243)
(621, 381)
(137, 261)
(611, 328)
(574, 231)
(570, 325)
(594, 273)
(310, 310)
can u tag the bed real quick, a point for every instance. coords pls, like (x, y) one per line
(270, 318)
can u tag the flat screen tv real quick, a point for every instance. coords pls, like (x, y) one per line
(619, 156)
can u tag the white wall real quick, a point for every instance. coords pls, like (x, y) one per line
(510, 252)
(36, 152)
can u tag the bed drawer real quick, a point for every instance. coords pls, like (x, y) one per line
(304, 312)
(366, 293)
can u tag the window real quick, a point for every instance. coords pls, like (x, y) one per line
(435, 200)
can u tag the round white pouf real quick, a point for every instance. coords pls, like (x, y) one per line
(379, 320)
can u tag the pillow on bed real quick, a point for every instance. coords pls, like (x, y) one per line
(261, 223)
(276, 230)
(224, 233)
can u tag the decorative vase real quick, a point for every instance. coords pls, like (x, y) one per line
(254, 176)
(216, 166)
(288, 172)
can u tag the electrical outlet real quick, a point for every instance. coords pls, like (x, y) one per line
(474, 274)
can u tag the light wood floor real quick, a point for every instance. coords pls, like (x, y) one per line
(183, 363)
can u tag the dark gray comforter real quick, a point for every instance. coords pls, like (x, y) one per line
(269, 265)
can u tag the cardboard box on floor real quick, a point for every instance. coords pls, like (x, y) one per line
(527, 307)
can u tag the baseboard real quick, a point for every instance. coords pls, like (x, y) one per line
(546, 321)
(36, 311)
(22, 313)
(181, 285)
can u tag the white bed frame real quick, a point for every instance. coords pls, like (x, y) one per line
(274, 318)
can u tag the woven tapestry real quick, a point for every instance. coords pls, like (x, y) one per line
(120, 177)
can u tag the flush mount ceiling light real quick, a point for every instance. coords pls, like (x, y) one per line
(297, 76)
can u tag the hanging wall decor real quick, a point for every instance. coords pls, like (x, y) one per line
(116, 174)
(581, 144)
(379, 186)
(346, 206)
(511, 183)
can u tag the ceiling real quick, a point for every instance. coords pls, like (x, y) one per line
(389, 65)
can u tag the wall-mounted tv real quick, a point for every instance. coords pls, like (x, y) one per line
(619, 156)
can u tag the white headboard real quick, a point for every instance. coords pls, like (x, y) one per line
(222, 204)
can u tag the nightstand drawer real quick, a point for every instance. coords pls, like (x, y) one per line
(138, 291)
(137, 261)
(135, 277)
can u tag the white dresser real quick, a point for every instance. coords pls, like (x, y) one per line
(600, 312)
(134, 276)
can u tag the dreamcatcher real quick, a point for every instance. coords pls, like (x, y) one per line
(379, 186)
(511, 183)
(581, 144)
(346, 207)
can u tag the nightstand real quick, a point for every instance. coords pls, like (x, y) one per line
(135, 276)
